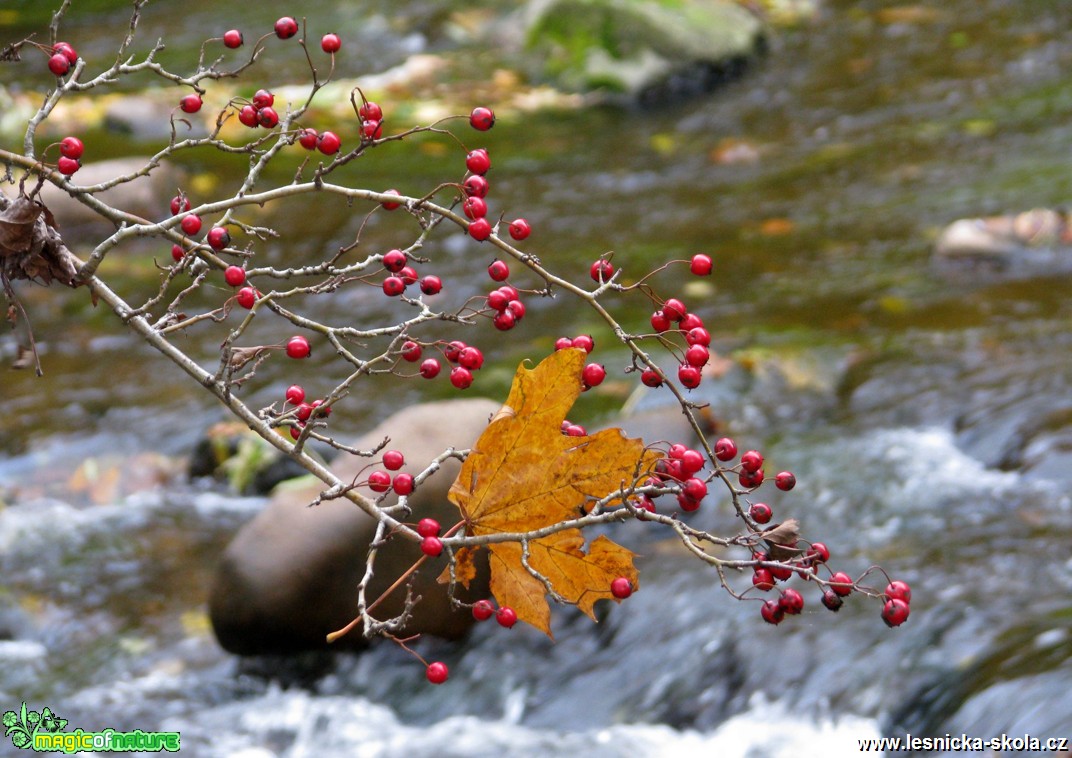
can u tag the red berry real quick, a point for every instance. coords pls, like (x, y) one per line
(505, 321)
(478, 161)
(190, 103)
(461, 377)
(453, 350)
(898, 590)
(585, 342)
(263, 98)
(772, 612)
(328, 143)
(179, 204)
(475, 186)
(411, 351)
(781, 574)
(498, 300)
(379, 481)
(395, 260)
(177, 253)
(371, 129)
(687, 503)
(659, 322)
(651, 378)
(298, 347)
(431, 285)
(517, 308)
(750, 479)
(330, 43)
(432, 546)
(246, 297)
(692, 461)
(59, 65)
(697, 356)
(308, 138)
(247, 116)
(520, 229)
(437, 672)
(674, 309)
(593, 375)
(701, 264)
(295, 394)
(480, 229)
(428, 527)
(393, 286)
(601, 270)
(219, 238)
(751, 461)
(235, 276)
(760, 512)
(574, 430)
(694, 488)
(295, 431)
(68, 166)
(841, 583)
(191, 224)
(506, 616)
(762, 579)
(370, 111)
(267, 117)
(563, 343)
(792, 602)
(430, 368)
(233, 38)
(698, 336)
(471, 358)
(402, 484)
(621, 588)
(817, 553)
(304, 411)
(895, 612)
(689, 376)
(498, 270)
(832, 600)
(482, 119)
(65, 49)
(325, 410)
(389, 205)
(725, 449)
(785, 480)
(407, 275)
(286, 27)
(483, 610)
(474, 207)
(72, 147)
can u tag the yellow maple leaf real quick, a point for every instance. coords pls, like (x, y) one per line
(523, 474)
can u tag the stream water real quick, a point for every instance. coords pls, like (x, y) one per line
(928, 419)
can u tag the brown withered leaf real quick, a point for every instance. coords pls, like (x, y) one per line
(523, 474)
(31, 246)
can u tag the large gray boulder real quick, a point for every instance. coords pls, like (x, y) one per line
(290, 575)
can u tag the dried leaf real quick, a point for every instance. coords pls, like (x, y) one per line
(31, 247)
(523, 474)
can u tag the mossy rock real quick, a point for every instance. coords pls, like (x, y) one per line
(640, 48)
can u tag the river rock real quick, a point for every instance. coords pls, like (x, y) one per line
(1014, 246)
(645, 50)
(290, 575)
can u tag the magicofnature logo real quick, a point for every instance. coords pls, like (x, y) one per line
(44, 732)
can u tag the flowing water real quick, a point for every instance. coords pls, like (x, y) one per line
(928, 419)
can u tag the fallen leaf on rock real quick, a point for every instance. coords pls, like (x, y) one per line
(523, 474)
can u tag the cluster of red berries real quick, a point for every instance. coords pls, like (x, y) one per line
(593, 374)
(464, 358)
(61, 57)
(380, 481)
(70, 160)
(259, 111)
(401, 275)
(295, 396)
